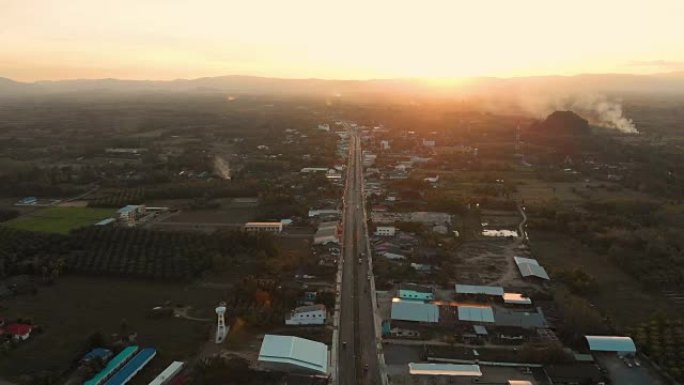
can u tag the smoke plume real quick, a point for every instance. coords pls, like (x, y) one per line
(598, 109)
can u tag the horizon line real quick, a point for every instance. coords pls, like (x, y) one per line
(407, 78)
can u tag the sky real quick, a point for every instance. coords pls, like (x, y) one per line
(336, 39)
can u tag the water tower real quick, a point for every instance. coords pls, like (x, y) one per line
(221, 330)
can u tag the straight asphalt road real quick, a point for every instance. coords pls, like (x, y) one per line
(357, 357)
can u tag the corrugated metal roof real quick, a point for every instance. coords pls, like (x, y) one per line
(530, 267)
(295, 351)
(114, 364)
(476, 313)
(516, 299)
(132, 368)
(412, 294)
(522, 319)
(611, 344)
(519, 260)
(415, 311)
(476, 289)
(417, 368)
(168, 373)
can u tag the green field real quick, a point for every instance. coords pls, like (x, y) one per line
(60, 219)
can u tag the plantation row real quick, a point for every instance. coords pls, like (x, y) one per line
(174, 191)
(128, 252)
(663, 341)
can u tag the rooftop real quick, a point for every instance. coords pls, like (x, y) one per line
(415, 311)
(475, 313)
(416, 288)
(304, 309)
(611, 344)
(477, 289)
(530, 268)
(522, 319)
(516, 299)
(427, 369)
(128, 208)
(306, 354)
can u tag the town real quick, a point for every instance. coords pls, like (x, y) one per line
(333, 245)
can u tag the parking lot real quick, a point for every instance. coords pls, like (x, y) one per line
(621, 374)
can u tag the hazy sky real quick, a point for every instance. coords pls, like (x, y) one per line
(168, 39)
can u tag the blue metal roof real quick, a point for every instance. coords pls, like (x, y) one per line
(132, 367)
(97, 353)
(114, 364)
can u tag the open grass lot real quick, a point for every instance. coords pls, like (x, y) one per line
(619, 296)
(60, 219)
(75, 307)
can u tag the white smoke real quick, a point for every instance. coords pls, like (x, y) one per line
(603, 112)
(598, 109)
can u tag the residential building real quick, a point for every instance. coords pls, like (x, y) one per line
(416, 293)
(129, 214)
(264, 227)
(385, 231)
(307, 315)
(293, 354)
(18, 331)
(308, 170)
(328, 232)
(319, 212)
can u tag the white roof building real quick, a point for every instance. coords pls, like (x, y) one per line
(414, 311)
(307, 315)
(168, 374)
(293, 354)
(428, 369)
(475, 313)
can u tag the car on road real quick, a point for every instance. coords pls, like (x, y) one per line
(360, 260)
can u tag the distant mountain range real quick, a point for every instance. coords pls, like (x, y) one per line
(606, 83)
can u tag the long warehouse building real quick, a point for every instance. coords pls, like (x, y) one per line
(168, 374)
(112, 366)
(132, 367)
